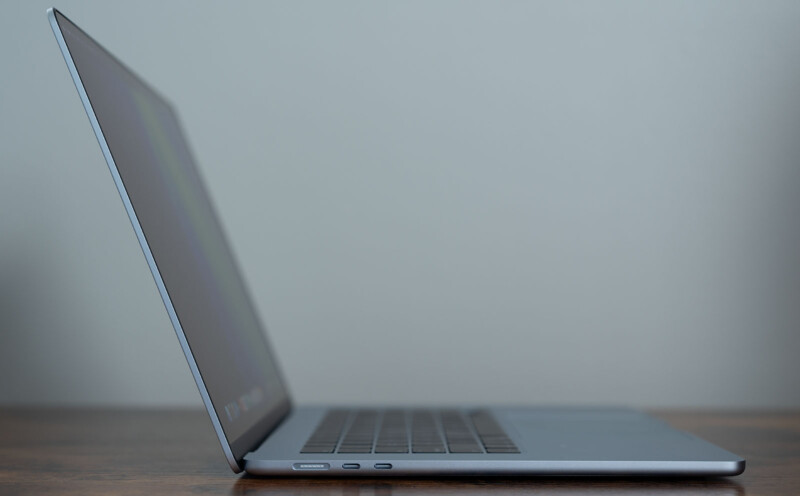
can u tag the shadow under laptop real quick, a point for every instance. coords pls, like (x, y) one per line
(252, 486)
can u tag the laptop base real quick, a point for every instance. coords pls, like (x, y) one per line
(552, 442)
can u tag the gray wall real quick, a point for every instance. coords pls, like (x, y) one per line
(561, 202)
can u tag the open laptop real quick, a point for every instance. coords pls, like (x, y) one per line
(259, 429)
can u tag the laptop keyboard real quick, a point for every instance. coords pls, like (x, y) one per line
(404, 431)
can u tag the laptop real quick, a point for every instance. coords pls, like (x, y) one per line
(260, 430)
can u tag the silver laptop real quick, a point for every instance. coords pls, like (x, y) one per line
(259, 429)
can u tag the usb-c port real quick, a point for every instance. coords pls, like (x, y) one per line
(383, 466)
(351, 465)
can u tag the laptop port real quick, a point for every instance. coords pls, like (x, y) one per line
(311, 466)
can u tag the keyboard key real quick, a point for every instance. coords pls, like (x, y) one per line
(428, 448)
(391, 449)
(465, 448)
(364, 449)
(322, 449)
(502, 450)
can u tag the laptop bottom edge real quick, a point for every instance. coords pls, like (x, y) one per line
(484, 468)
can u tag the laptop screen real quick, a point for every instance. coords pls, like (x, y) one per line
(186, 241)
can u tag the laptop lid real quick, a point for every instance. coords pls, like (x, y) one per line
(183, 243)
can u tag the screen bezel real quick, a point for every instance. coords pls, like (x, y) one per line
(235, 449)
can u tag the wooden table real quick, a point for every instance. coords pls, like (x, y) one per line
(57, 451)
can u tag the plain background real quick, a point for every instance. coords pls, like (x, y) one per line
(519, 202)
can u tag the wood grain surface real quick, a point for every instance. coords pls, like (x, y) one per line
(87, 452)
